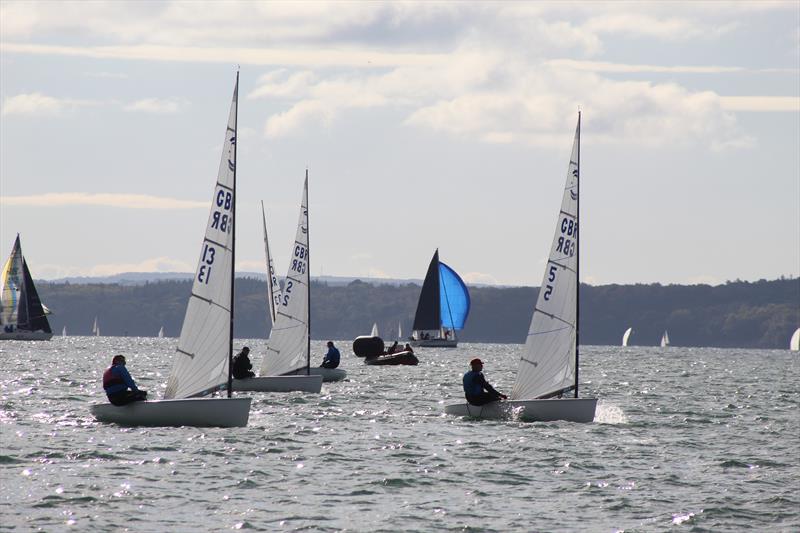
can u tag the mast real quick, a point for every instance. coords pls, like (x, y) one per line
(308, 273)
(233, 240)
(578, 262)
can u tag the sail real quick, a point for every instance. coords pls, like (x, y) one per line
(399, 331)
(161, 332)
(31, 315)
(201, 361)
(95, 328)
(287, 349)
(794, 343)
(454, 299)
(273, 287)
(374, 331)
(11, 279)
(64, 331)
(549, 363)
(427, 316)
(626, 336)
(665, 340)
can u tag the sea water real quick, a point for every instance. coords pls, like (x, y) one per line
(684, 439)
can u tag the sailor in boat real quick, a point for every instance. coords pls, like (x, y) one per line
(242, 365)
(116, 382)
(392, 348)
(476, 389)
(407, 348)
(331, 359)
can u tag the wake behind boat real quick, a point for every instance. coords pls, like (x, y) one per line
(23, 317)
(202, 361)
(548, 368)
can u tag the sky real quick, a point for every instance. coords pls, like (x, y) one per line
(422, 126)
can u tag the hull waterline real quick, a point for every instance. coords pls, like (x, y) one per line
(568, 409)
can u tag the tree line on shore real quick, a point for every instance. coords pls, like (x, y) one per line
(761, 314)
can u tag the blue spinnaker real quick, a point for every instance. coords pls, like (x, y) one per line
(453, 298)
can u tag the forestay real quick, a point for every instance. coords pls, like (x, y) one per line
(201, 361)
(287, 349)
(454, 299)
(549, 363)
(273, 287)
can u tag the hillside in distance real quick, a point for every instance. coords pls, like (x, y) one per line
(741, 314)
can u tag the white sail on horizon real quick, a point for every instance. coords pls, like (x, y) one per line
(374, 331)
(626, 336)
(665, 339)
(201, 359)
(794, 342)
(161, 333)
(95, 328)
(548, 362)
(287, 347)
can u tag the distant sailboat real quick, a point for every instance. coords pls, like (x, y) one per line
(399, 331)
(64, 331)
(548, 366)
(273, 287)
(374, 332)
(665, 339)
(626, 336)
(161, 333)
(442, 308)
(22, 314)
(202, 360)
(95, 328)
(794, 343)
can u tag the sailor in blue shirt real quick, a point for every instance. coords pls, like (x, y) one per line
(331, 359)
(116, 382)
(476, 388)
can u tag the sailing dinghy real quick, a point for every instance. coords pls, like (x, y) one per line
(442, 308)
(626, 336)
(202, 361)
(22, 314)
(289, 347)
(794, 342)
(548, 368)
(665, 340)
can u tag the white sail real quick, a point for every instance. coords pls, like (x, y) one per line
(287, 349)
(665, 340)
(626, 336)
(161, 333)
(201, 360)
(374, 331)
(10, 292)
(95, 328)
(399, 331)
(794, 343)
(64, 331)
(548, 362)
(273, 287)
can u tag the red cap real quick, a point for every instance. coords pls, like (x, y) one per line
(476, 362)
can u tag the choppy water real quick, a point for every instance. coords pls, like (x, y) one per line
(685, 439)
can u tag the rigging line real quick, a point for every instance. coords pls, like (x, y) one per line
(554, 317)
(548, 331)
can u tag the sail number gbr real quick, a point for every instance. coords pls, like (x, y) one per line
(300, 259)
(565, 244)
(221, 221)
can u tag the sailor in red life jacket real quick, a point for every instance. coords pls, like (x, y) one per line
(117, 381)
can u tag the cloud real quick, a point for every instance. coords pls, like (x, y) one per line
(156, 105)
(39, 104)
(604, 66)
(124, 201)
(480, 278)
(761, 103)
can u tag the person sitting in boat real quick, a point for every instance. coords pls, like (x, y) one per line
(116, 382)
(242, 365)
(331, 359)
(392, 348)
(407, 348)
(476, 388)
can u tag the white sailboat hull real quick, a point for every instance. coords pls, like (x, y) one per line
(193, 412)
(19, 335)
(568, 409)
(435, 343)
(312, 383)
(328, 374)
